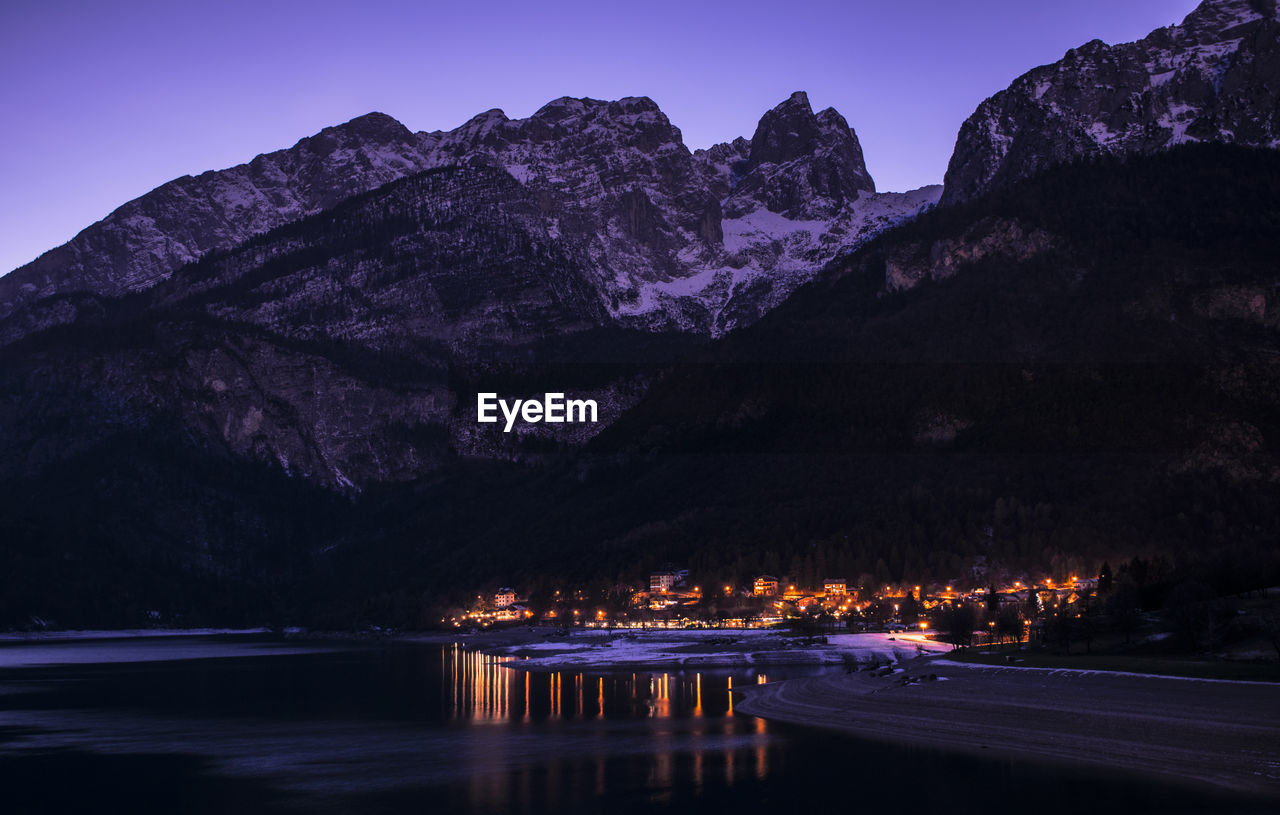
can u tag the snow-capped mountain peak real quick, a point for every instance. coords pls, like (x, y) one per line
(1215, 77)
(1223, 17)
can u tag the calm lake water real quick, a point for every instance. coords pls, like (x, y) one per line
(145, 726)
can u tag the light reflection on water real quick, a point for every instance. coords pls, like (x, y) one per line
(693, 730)
(389, 720)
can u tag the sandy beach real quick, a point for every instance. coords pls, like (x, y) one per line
(1215, 732)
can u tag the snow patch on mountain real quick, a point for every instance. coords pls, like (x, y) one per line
(762, 227)
(765, 246)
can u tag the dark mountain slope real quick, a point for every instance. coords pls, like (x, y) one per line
(1083, 366)
(146, 528)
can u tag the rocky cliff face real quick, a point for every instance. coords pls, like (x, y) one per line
(801, 165)
(671, 240)
(1215, 77)
(793, 197)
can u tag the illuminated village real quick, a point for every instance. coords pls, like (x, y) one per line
(1013, 611)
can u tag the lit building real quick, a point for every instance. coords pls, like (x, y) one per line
(834, 587)
(512, 612)
(504, 597)
(765, 586)
(663, 582)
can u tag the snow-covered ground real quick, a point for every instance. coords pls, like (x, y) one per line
(716, 648)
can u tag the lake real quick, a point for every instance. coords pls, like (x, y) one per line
(248, 725)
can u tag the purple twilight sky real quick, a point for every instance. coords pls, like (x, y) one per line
(105, 101)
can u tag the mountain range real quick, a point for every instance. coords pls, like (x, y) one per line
(253, 390)
(670, 239)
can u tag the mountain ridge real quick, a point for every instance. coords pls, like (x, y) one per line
(613, 178)
(1215, 77)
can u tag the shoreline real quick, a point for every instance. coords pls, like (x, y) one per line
(537, 649)
(611, 651)
(549, 648)
(1221, 734)
(87, 635)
